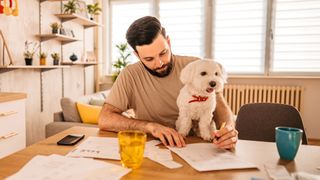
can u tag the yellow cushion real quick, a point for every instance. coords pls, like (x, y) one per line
(89, 113)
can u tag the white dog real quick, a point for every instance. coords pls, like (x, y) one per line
(202, 79)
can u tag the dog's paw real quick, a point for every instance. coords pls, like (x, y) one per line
(206, 137)
(184, 133)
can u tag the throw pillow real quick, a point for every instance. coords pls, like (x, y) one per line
(89, 113)
(69, 110)
(97, 101)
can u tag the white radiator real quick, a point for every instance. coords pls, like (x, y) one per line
(238, 95)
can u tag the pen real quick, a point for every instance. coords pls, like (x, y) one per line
(222, 126)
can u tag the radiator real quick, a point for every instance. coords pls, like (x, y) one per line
(238, 95)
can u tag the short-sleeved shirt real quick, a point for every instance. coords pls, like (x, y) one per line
(152, 98)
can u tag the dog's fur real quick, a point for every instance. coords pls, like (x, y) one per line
(202, 78)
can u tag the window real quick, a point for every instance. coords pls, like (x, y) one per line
(183, 20)
(297, 36)
(123, 14)
(246, 36)
(184, 23)
(239, 35)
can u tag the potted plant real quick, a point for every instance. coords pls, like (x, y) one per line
(55, 27)
(43, 58)
(121, 61)
(29, 49)
(71, 6)
(56, 58)
(93, 9)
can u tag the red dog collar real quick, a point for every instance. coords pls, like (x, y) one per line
(198, 98)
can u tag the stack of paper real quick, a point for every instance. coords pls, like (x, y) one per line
(61, 167)
(207, 157)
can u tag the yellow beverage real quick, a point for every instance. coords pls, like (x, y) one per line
(131, 148)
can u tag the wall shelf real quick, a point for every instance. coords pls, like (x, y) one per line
(52, 0)
(42, 68)
(59, 37)
(79, 63)
(87, 23)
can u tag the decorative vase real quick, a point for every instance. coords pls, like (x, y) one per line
(28, 61)
(55, 31)
(55, 62)
(73, 57)
(43, 61)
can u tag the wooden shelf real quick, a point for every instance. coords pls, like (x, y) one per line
(52, 0)
(59, 37)
(42, 68)
(87, 23)
(79, 63)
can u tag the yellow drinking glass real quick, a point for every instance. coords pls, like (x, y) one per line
(131, 148)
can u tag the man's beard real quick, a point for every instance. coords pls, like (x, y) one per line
(163, 73)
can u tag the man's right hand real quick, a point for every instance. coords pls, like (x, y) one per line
(166, 135)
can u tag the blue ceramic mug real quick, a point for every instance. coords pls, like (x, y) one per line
(288, 140)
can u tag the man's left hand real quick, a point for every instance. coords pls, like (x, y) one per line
(226, 137)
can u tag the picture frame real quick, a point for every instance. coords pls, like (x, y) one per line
(82, 11)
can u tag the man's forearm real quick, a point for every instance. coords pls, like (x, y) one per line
(114, 121)
(223, 112)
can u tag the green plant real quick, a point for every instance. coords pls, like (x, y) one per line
(94, 9)
(121, 61)
(43, 55)
(71, 6)
(55, 56)
(55, 26)
(29, 49)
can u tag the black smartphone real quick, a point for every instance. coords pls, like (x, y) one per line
(70, 139)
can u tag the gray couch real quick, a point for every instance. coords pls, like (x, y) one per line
(69, 115)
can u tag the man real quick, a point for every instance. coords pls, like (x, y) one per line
(151, 87)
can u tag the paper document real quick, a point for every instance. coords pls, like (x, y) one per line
(60, 167)
(207, 157)
(108, 148)
(161, 156)
(97, 147)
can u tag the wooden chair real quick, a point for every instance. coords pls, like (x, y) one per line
(257, 121)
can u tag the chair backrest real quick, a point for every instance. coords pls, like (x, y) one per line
(257, 121)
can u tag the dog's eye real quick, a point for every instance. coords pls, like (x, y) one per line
(216, 73)
(203, 73)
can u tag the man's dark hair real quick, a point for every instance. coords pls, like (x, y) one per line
(143, 31)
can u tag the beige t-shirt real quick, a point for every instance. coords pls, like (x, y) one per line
(151, 97)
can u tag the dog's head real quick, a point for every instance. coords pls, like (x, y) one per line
(204, 76)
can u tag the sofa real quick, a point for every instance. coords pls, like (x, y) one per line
(70, 116)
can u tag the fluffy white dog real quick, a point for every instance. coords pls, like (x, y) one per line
(202, 79)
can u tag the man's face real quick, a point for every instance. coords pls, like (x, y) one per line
(156, 56)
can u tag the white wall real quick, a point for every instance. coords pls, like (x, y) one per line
(25, 27)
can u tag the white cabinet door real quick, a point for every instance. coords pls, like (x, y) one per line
(12, 127)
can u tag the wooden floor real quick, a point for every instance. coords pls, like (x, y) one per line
(314, 142)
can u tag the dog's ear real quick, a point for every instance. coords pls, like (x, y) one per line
(223, 73)
(187, 73)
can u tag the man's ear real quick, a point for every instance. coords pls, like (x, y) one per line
(224, 74)
(168, 41)
(187, 73)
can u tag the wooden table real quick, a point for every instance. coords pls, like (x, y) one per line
(259, 153)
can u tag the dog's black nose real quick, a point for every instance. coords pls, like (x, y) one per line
(212, 83)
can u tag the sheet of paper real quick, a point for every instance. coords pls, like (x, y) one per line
(108, 148)
(161, 156)
(277, 172)
(61, 167)
(97, 147)
(207, 157)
